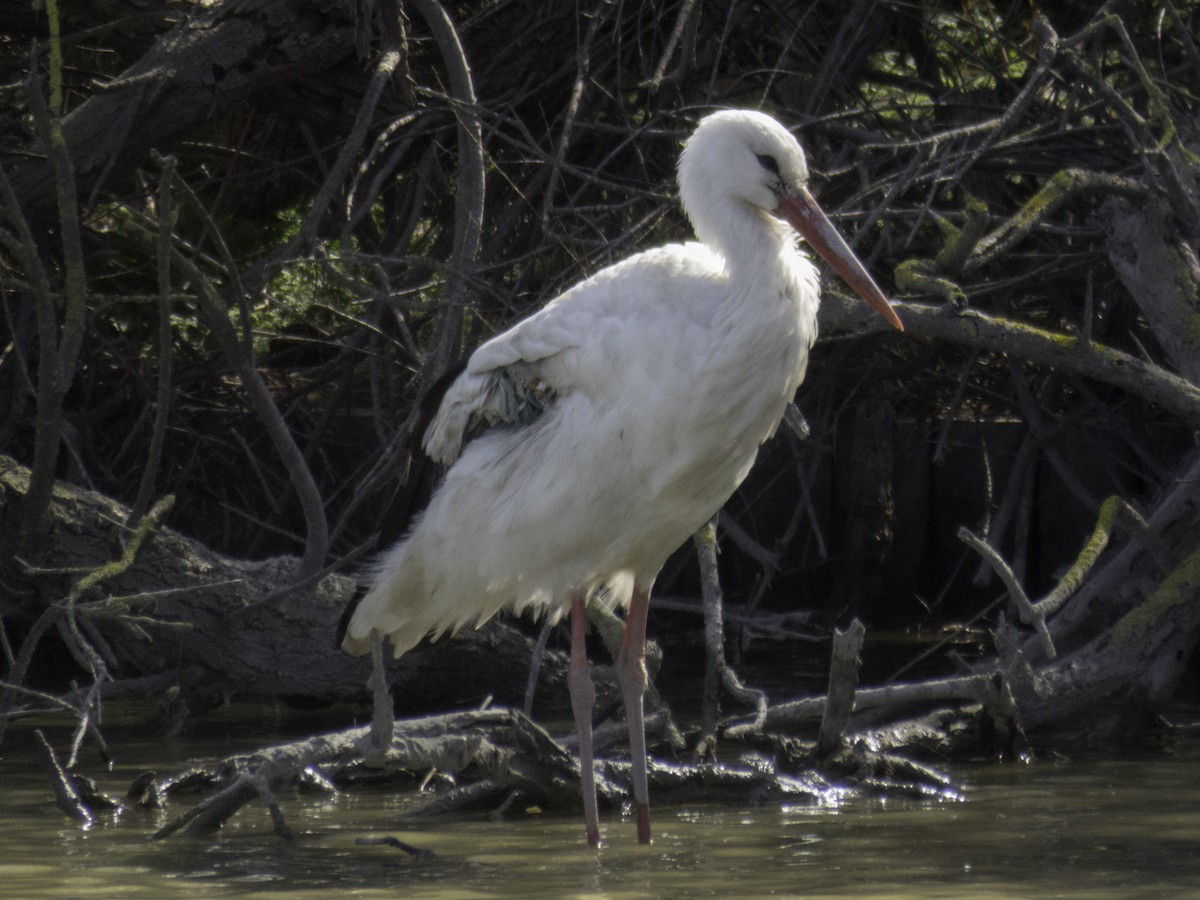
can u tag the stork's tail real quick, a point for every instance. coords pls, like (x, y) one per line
(351, 646)
(393, 601)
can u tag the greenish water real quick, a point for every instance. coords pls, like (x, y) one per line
(1127, 828)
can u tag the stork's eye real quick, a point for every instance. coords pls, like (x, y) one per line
(770, 163)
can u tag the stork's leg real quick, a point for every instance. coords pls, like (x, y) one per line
(583, 701)
(631, 672)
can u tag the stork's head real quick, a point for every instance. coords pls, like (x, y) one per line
(747, 156)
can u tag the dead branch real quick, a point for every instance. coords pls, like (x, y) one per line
(60, 335)
(1056, 350)
(1016, 592)
(511, 753)
(469, 197)
(718, 673)
(509, 748)
(147, 484)
(240, 356)
(1062, 187)
(843, 679)
(892, 698)
(65, 795)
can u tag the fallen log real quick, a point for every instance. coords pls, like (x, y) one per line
(215, 628)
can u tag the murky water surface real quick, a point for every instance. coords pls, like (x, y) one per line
(1128, 828)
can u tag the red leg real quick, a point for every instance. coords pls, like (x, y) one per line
(631, 672)
(583, 701)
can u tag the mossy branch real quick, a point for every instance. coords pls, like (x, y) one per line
(1063, 185)
(146, 527)
(1112, 512)
(1177, 589)
(923, 277)
(1057, 350)
(960, 243)
(965, 250)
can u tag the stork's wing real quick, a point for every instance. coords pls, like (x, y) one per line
(501, 384)
(575, 342)
(513, 395)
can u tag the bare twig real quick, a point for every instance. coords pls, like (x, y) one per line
(685, 23)
(469, 196)
(16, 675)
(582, 76)
(380, 78)
(240, 356)
(162, 398)
(65, 796)
(717, 672)
(1029, 614)
(535, 666)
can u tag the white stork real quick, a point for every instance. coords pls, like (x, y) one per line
(617, 420)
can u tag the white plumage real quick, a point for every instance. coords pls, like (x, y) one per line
(624, 413)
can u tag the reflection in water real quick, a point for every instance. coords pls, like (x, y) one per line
(1080, 828)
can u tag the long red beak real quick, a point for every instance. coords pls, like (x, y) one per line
(801, 211)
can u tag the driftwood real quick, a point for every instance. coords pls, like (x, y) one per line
(503, 744)
(66, 797)
(495, 753)
(502, 755)
(1113, 670)
(843, 679)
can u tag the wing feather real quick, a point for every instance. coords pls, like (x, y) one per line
(572, 343)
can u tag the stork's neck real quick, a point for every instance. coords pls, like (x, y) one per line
(758, 248)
